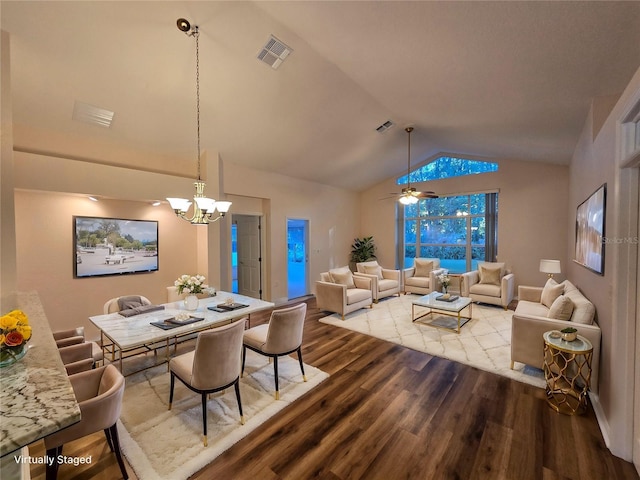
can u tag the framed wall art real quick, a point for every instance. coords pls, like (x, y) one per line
(590, 231)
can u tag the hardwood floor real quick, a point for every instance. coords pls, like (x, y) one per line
(388, 412)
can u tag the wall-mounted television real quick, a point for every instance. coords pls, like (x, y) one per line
(590, 224)
(114, 246)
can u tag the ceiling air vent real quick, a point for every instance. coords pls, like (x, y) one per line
(274, 52)
(83, 112)
(385, 126)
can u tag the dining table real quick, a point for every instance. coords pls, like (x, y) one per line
(161, 327)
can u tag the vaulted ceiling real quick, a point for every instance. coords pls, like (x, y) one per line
(489, 79)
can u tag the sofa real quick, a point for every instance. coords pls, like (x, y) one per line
(552, 307)
(422, 277)
(492, 283)
(342, 292)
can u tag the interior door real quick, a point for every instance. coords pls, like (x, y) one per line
(297, 258)
(249, 256)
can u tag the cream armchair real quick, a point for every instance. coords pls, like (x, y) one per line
(491, 283)
(422, 277)
(341, 292)
(385, 282)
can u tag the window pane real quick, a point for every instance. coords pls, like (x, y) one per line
(444, 230)
(410, 227)
(478, 204)
(477, 255)
(447, 167)
(478, 225)
(453, 259)
(409, 255)
(410, 211)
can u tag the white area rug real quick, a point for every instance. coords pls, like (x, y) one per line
(163, 444)
(484, 342)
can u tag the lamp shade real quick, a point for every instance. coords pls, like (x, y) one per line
(550, 266)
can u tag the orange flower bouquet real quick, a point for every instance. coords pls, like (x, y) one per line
(15, 332)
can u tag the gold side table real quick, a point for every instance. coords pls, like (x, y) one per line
(567, 371)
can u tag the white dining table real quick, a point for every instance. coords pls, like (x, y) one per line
(121, 336)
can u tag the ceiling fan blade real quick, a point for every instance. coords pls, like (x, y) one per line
(427, 194)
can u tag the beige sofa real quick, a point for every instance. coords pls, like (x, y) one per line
(422, 277)
(531, 320)
(342, 292)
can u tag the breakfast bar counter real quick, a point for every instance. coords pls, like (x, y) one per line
(36, 397)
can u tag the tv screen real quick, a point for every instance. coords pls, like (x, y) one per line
(114, 246)
(590, 231)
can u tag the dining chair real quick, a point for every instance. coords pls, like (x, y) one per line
(281, 336)
(75, 336)
(213, 366)
(124, 302)
(77, 358)
(99, 395)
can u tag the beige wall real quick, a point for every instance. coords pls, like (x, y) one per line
(533, 200)
(595, 162)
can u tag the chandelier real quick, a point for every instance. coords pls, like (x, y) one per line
(204, 208)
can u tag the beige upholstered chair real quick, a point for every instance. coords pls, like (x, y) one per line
(213, 366)
(118, 304)
(339, 291)
(491, 283)
(99, 394)
(77, 358)
(75, 336)
(281, 336)
(421, 278)
(385, 282)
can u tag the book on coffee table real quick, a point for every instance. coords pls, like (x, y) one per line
(450, 298)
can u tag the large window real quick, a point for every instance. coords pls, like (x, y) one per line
(447, 167)
(460, 230)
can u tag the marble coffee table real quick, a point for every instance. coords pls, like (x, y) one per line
(453, 309)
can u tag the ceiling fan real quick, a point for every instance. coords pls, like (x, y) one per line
(409, 195)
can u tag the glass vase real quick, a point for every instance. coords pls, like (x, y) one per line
(11, 355)
(191, 302)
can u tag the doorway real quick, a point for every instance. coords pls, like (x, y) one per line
(246, 255)
(297, 258)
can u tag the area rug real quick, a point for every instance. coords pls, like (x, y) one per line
(484, 341)
(161, 443)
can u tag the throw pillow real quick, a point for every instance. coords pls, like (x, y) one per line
(561, 308)
(550, 292)
(373, 270)
(343, 278)
(423, 267)
(490, 275)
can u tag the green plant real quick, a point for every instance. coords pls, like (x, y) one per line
(569, 330)
(363, 249)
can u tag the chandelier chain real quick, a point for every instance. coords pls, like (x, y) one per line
(197, 35)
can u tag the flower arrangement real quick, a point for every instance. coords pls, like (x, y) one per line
(15, 332)
(190, 284)
(444, 279)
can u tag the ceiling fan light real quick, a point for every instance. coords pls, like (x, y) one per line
(408, 199)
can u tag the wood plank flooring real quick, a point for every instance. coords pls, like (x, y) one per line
(388, 412)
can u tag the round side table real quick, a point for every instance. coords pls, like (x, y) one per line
(567, 371)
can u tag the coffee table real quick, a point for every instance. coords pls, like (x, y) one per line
(449, 308)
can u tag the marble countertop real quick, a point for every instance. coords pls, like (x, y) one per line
(36, 397)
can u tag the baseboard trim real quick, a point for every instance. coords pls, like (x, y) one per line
(601, 418)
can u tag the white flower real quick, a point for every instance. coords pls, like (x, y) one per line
(190, 284)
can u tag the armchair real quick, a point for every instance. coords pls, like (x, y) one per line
(491, 283)
(384, 282)
(341, 292)
(421, 278)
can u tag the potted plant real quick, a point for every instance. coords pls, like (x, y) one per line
(362, 249)
(569, 334)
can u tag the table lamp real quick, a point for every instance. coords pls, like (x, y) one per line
(550, 267)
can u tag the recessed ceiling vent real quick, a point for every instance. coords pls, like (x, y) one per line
(83, 112)
(385, 126)
(274, 52)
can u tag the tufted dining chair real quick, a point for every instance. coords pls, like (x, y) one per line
(124, 302)
(99, 395)
(281, 336)
(213, 366)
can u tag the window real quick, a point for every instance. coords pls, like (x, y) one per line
(460, 230)
(447, 167)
